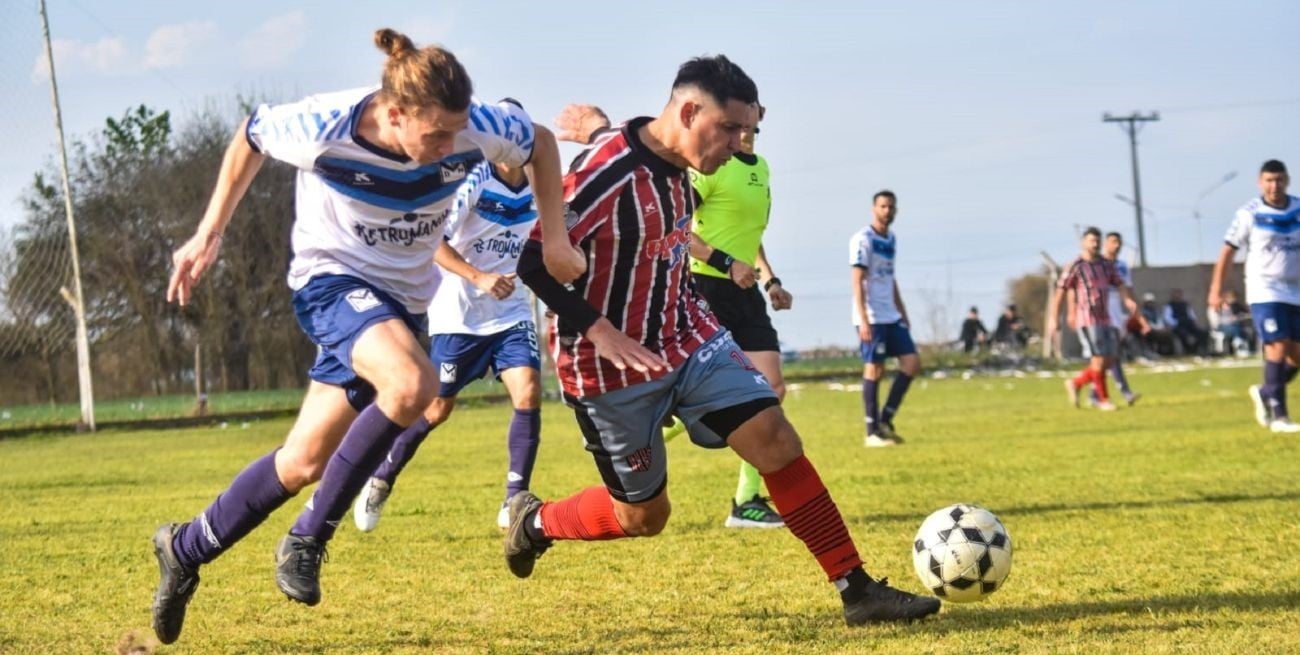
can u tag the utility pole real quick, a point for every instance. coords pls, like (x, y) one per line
(1131, 125)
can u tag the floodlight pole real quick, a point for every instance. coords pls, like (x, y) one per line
(75, 297)
(1130, 124)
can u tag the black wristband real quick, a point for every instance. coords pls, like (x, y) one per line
(721, 261)
(772, 280)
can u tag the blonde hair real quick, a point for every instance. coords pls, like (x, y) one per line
(419, 77)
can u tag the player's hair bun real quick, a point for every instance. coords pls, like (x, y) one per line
(392, 42)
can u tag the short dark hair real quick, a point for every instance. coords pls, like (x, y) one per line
(1273, 166)
(886, 193)
(1093, 231)
(1118, 237)
(719, 77)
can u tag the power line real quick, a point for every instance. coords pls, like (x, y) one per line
(1131, 124)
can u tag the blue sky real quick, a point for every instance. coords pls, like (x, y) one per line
(984, 117)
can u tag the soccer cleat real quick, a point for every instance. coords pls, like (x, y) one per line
(1131, 398)
(1283, 424)
(1072, 392)
(753, 513)
(297, 568)
(176, 585)
(521, 551)
(503, 517)
(877, 441)
(887, 431)
(1262, 414)
(370, 503)
(1106, 406)
(871, 601)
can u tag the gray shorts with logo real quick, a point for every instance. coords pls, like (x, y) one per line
(624, 428)
(1099, 341)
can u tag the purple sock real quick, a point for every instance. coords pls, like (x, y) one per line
(1274, 388)
(250, 498)
(870, 399)
(896, 392)
(402, 451)
(363, 447)
(522, 441)
(1117, 371)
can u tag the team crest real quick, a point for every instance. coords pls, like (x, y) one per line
(362, 300)
(453, 172)
(447, 373)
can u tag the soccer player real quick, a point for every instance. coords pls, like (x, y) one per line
(1268, 229)
(881, 320)
(635, 342)
(479, 318)
(1091, 276)
(1115, 309)
(378, 171)
(732, 208)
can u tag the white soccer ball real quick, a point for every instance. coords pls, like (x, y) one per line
(962, 553)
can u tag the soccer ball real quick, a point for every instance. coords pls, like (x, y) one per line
(962, 553)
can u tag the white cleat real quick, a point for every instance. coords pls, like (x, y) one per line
(503, 517)
(1283, 425)
(370, 503)
(1106, 406)
(877, 441)
(1262, 415)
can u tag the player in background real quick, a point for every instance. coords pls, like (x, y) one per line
(1115, 308)
(1091, 276)
(881, 320)
(1267, 229)
(478, 319)
(728, 262)
(378, 169)
(634, 342)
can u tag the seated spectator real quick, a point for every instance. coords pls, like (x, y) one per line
(973, 332)
(1181, 319)
(1011, 331)
(1232, 321)
(1159, 340)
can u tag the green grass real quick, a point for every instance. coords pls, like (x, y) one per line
(1166, 528)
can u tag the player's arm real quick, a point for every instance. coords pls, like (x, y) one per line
(741, 273)
(859, 276)
(494, 284)
(898, 302)
(1215, 297)
(563, 260)
(621, 350)
(1054, 312)
(1130, 303)
(776, 293)
(238, 168)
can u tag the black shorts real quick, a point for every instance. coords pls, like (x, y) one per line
(742, 311)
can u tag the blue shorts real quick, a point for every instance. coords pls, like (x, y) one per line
(463, 358)
(1276, 321)
(887, 340)
(334, 310)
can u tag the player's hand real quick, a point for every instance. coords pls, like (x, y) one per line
(1144, 327)
(864, 332)
(495, 285)
(621, 350)
(576, 123)
(742, 274)
(779, 297)
(1214, 299)
(564, 261)
(191, 261)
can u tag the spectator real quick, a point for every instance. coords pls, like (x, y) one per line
(1181, 319)
(1233, 322)
(973, 332)
(1158, 340)
(1011, 330)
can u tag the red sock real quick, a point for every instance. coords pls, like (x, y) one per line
(1099, 383)
(806, 505)
(1082, 379)
(587, 515)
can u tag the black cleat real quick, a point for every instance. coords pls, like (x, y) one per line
(176, 585)
(871, 601)
(521, 550)
(297, 568)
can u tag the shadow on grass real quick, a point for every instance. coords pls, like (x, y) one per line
(1010, 511)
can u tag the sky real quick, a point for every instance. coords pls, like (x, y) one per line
(984, 117)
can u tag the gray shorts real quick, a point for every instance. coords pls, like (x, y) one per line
(1099, 341)
(624, 428)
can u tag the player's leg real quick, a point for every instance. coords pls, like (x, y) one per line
(256, 492)
(524, 436)
(873, 369)
(900, 345)
(1274, 322)
(1087, 340)
(749, 509)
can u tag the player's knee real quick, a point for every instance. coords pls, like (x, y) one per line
(407, 394)
(439, 411)
(645, 521)
(529, 397)
(911, 366)
(297, 469)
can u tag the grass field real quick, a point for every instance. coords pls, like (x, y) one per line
(1166, 528)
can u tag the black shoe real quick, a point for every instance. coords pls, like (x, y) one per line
(176, 584)
(887, 431)
(297, 568)
(754, 513)
(522, 550)
(871, 601)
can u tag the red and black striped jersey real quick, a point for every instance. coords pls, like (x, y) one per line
(1091, 281)
(629, 210)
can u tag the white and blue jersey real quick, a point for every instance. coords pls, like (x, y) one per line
(1115, 303)
(875, 253)
(1270, 238)
(369, 213)
(489, 225)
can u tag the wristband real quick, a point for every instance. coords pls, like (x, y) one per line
(721, 260)
(771, 281)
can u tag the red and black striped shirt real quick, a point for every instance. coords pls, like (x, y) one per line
(1091, 281)
(629, 210)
